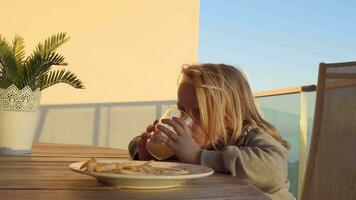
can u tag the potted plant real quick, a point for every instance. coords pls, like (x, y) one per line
(21, 80)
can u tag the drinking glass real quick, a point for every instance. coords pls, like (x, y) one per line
(155, 146)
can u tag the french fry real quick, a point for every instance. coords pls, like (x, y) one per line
(128, 168)
(105, 167)
(90, 165)
(84, 165)
(147, 169)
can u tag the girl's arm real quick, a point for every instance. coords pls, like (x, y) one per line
(133, 148)
(261, 161)
(257, 157)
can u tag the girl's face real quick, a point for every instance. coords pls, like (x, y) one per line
(187, 102)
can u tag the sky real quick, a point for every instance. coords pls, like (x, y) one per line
(278, 44)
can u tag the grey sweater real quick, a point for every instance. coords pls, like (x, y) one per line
(256, 158)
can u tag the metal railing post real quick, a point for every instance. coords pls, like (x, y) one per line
(303, 136)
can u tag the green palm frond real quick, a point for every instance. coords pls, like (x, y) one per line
(8, 63)
(18, 49)
(3, 81)
(60, 76)
(1, 74)
(34, 71)
(52, 43)
(39, 64)
(43, 58)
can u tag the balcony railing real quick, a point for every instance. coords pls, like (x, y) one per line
(290, 110)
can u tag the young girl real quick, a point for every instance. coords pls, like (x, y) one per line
(230, 135)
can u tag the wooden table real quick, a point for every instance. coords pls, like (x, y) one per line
(45, 175)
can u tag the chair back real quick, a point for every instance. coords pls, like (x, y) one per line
(331, 170)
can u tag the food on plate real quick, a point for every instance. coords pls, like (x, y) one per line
(129, 168)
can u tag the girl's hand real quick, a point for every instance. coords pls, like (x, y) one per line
(181, 142)
(142, 151)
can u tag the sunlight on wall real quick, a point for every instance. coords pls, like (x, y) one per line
(122, 50)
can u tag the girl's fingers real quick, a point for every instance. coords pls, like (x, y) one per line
(181, 123)
(152, 127)
(145, 136)
(170, 134)
(171, 144)
(155, 122)
(149, 128)
(176, 126)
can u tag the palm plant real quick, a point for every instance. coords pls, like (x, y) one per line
(35, 70)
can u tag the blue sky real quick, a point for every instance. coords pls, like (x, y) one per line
(278, 44)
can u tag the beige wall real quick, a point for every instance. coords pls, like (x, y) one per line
(123, 50)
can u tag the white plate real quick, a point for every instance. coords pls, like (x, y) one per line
(143, 181)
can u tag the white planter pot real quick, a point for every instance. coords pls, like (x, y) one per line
(17, 130)
(19, 116)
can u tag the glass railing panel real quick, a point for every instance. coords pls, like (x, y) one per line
(66, 125)
(124, 123)
(107, 125)
(311, 107)
(283, 112)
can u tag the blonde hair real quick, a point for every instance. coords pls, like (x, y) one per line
(224, 97)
